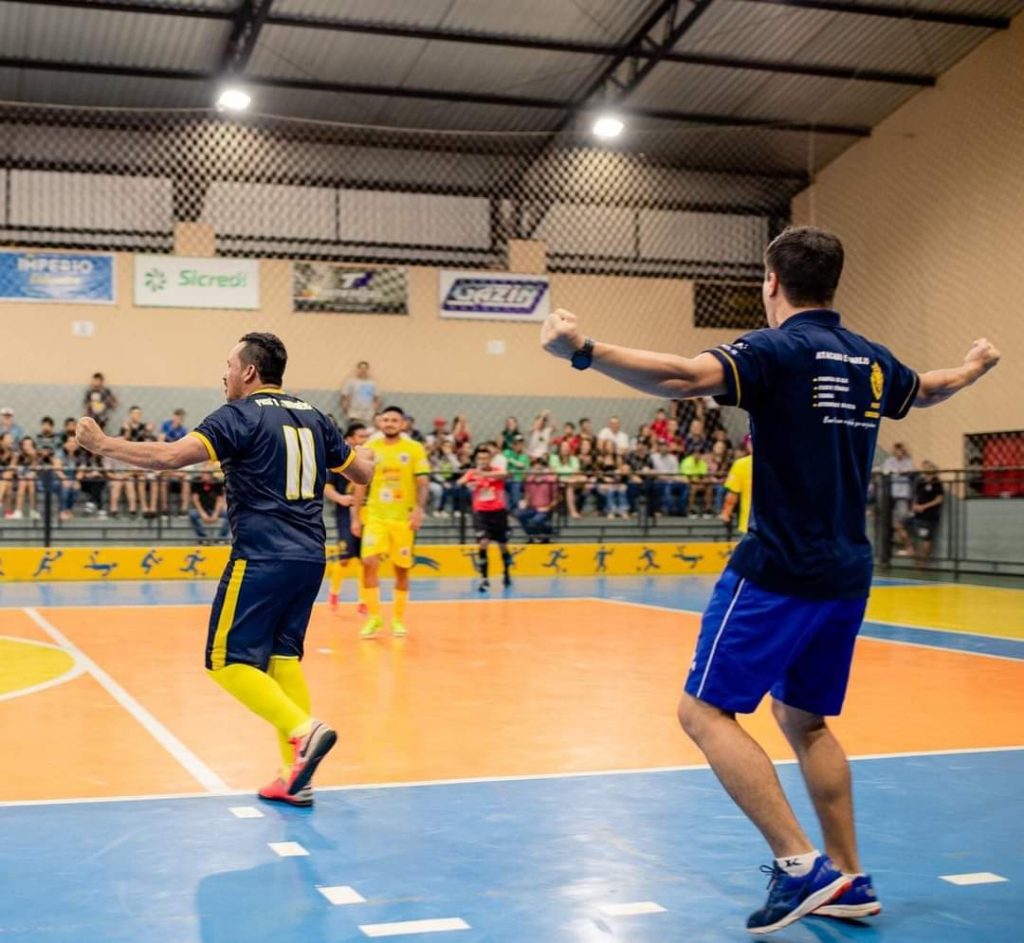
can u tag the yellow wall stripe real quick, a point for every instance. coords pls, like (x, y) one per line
(218, 656)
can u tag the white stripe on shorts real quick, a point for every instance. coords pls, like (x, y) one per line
(718, 635)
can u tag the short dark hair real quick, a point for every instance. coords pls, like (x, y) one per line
(97, 376)
(393, 409)
(808, 262)
(353, 428)
(48, 419)
(267, 354)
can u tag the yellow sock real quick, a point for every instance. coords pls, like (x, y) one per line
(264, 697)
(337, 575)
(373, 600)
(401, 598)
(287, 672)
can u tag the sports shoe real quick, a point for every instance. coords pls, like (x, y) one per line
(371, 627)
(361, 609)
(309, 751)
(858, 900)
(277, 791)
(506, 581)
(790, 898)
(332, 600)
(483, 586)
(398, 629)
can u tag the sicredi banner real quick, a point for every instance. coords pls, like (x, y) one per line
(170, 281)
(495, 296)
(62, 277)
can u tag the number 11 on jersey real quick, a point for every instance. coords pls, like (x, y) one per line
(300, 461)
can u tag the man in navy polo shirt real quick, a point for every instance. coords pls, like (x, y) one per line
(785, 614)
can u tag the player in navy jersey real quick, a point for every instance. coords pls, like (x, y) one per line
(338, 491)
(275, 450)
(784, 616)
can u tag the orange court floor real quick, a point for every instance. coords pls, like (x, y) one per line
(554, 677)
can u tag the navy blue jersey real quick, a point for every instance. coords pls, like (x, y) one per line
(275, 451)
(815, 393)
(342, 513)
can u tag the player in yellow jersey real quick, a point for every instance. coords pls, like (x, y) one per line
(394, 512)
(739, 485)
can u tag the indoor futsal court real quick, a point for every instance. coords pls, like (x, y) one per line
(568, 316)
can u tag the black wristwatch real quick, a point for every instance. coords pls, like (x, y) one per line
(584, 357)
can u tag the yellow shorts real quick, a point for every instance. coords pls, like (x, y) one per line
(391, 538)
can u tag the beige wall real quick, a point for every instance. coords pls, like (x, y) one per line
(418, 353)
(931, 210)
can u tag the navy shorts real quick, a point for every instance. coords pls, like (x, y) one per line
(753, 641)
(350, 547)
(262, 608)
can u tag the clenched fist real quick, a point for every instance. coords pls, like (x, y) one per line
(89, 434)
(982, 355)
(560, 335)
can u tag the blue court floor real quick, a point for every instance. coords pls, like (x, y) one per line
(521, 861)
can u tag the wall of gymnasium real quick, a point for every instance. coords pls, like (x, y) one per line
(162, 358)
(930, 209)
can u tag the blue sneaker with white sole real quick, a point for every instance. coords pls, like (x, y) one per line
(858, 900)
(790, 898)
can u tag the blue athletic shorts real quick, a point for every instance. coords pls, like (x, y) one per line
(753, 641)
(349, 546)
(262, 608)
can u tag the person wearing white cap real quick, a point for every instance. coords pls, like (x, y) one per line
(7, 424)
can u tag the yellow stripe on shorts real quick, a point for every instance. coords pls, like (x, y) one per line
(219, 654)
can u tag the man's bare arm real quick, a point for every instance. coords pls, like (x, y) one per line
(659, 374)
(153, 455)
(939, 385)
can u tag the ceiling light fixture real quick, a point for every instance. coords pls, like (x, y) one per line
(234, 99)
(607, 127)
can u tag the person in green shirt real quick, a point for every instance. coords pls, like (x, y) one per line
(567, 467)
(694, 469)
(517, 464)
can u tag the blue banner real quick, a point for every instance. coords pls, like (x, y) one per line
(62, 277)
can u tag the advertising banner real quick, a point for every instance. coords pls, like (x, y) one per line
(62, 277)
(328, 287)
(171, 281)
(494, 296)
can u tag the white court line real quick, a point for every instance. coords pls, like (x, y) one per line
(868, 638)
(245, 812)
(414, 926)
(978, 877)
(202, 773)
(340, 895)
(483, 780)
(287, 849)
(76, 669)
(631, 910)
(934, 628)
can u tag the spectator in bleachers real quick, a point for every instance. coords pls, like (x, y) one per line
(586, 432)
(696, 440)
(517, 463)
(669, 491)
(69, 457)
(540, 435)
(92, 476)
(49, 478)
(412, 432)
(439, 434)
(8, 426)
(899, 468)
(209, 507)
(929, 496)
(674, 437)
(540, 497)
(615, 433)
(47, 437)
(659, 428)
(694, 469)
(566, 467)
(25, 460)
(171, 430)
(611, 487)
(7, 474)
(718, 471)
(68, 432)
(99, 400)
(568, 435)
(710, 413)
(360, 399)
(586, 485)
(462, 435)
(640, 468)
(145, 483)
(444, 470)
(509, 433)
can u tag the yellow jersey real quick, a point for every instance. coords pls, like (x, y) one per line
(741, 481)
(392, 494)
